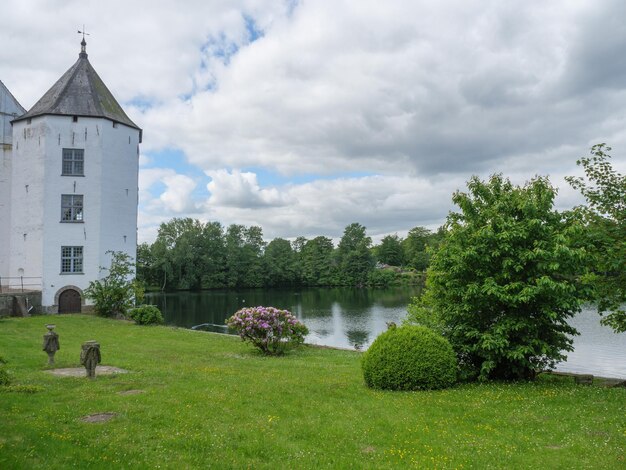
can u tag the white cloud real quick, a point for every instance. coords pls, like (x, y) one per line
(176, 196)
(239, 189)
(384, 204)
(423, 94)
(391, 87)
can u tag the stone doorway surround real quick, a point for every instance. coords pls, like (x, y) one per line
(69, 299)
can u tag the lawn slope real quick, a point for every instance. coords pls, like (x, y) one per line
(211, 401)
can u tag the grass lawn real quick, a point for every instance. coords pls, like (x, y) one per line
(211, 401)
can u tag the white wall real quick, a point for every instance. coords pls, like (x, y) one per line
(9, 110)
(111, 167)
(119, 192)
(5, 207)
(27, 195)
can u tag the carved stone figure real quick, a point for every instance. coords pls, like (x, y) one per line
(51, 343)
(90, 357)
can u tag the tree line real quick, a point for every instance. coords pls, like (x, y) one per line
(190, 254)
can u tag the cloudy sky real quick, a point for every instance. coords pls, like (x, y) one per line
(305, 116)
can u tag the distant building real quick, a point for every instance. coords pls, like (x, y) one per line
(70, 176)
(9, 110)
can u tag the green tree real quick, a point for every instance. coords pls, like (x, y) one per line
(605, 192)
(317, 262)
(178, 250)
(503, 283)
(254, 248)
(117, 292)
(244, 256)
(235, 262)
(390, 251)
(212, 256)
(415, 248)
(146, 262)
(298, 245)
(354, 258)
(280, 263)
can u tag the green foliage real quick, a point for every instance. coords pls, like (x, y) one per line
(605, 191)
(117, 292)
(147, 270)
(189, 254)
(419, 313)
(503, 282)
(390, 251)
(244, 256)
(317, 262)
(381, 277)
(281, 263)
(409, 358)
(354, 257)
(146, 315)
(418, 246)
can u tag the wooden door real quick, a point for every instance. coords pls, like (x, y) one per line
(69, 301)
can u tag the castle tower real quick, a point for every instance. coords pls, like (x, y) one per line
(74, 187)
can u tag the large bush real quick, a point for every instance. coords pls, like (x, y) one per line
(504, 281)
(271, 330)
(409, 358)
(118, 291)
(146, 315)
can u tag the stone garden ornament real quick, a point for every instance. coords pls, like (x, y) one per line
(90, 357)
(51, 343)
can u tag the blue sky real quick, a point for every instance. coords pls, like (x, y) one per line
(304, 117)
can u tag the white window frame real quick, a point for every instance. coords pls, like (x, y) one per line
(73, 162)
(71, 259)
(72, 208)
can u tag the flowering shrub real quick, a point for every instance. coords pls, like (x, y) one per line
(268, 328)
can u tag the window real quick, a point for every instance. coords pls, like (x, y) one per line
(73, 162)
(71, 207)
(71, 259)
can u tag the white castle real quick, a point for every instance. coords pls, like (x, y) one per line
(68, 187)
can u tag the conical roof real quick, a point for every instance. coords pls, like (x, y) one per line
(80, 92)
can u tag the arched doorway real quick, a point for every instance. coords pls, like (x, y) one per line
(69, 301)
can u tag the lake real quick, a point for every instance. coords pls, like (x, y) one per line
(345, 317)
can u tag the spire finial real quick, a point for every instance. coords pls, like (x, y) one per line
(83, 43)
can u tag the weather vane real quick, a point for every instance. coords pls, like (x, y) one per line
(83, 32)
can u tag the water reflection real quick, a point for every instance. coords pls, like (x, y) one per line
(340, 317)
(598, 350)
(345, 318)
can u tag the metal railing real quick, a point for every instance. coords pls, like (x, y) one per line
(19, 284)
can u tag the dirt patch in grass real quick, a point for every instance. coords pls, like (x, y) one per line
(81, 372)
(98, 417)
(131, 392)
